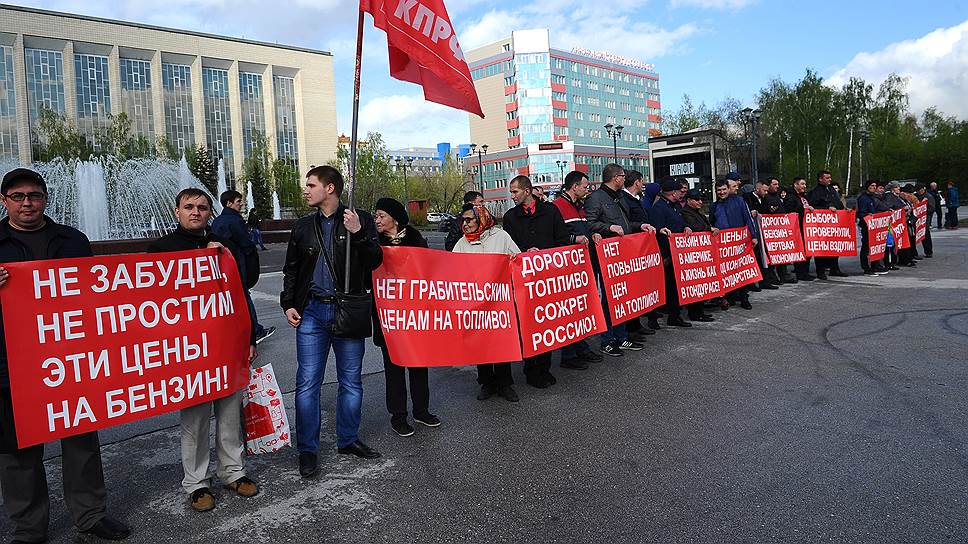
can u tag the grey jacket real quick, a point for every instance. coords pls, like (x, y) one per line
(604, 208)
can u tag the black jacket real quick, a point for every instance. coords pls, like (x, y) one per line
(182, 240)
(824, 197)
(454, 234)
(772, 204)
(65, 243)
(303, 253)
(696, 220)
(666, 215)
(543, 229)
(230, 225)
(411, 238)
(637, 214)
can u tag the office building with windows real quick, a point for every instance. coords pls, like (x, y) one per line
(546, 111)
(188, 87)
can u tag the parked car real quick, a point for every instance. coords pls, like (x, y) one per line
(437, 217)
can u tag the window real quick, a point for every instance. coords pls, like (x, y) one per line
(558, 96)
(592, 85)
(610, 89)
(508, 81)
(560, 80)
(512, 115)
(576, 82)
(561, 131)
(560, 114)
(579, 116)
(218, 125)
(593, 101)
(577, 99)
(610, 104)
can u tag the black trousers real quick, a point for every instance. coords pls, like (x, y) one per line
(494, 375)
(952, 219)
(672, 306)
(927, 244)
(694, 310)
(396, 382)
(538, 366)
(827, 264)
(865, 247)
(23, 480)
(802, 269)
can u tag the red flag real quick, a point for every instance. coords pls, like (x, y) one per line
(424, 50)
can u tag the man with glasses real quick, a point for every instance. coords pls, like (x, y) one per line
(608, 215)
(27, 234)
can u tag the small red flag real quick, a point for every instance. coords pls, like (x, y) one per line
(424, 50)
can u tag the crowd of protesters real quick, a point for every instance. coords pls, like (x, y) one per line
(319, 258)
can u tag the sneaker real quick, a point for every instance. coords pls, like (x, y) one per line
(612, 350)
(550, 378)
(508, 393)
(402, 428)
(574, 363)
(769, 286)
(881, 272)
(244, 487)
(592, 357)
(202, 500)
(629, 345)
(265, 334)
(806, 277)
(428, 420)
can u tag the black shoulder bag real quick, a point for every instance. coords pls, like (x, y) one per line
(352, 311)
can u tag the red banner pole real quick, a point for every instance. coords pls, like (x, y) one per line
(354, 138)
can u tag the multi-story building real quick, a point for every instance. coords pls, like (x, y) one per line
(188, 87)
(549, 111)
(427, 160)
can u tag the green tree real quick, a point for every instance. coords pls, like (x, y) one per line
(57, 138)
(375, 178)
(203, 167)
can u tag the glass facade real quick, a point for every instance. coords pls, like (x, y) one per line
(179, 121)
(45, 82)
(93, 93)
(218, 122)
(285, 102)
(253, 108)
(136, 96)
(533, 76)
(8, 105)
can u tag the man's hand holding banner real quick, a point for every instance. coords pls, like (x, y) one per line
(632, 274)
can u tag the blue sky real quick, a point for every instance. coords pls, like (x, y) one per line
(706, 48)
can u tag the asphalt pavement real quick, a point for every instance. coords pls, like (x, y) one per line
(833, 411)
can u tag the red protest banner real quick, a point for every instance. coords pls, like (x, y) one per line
(438, 308)
(737, 263)
(557, 298)
(900, 228)
(921, 229)
(632, 274)
(878, 225)
(105, 340)
(695, 261)
(830, 233)
(780, 236)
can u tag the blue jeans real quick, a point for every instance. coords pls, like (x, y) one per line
(313, 340)
(259, 329)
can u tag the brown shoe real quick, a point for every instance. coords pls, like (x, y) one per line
(244, 487)
(202, 500)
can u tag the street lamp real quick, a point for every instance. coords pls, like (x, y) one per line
(405, 163)
(614, 132)
(753, 118)
(480, 162)
(561, 166)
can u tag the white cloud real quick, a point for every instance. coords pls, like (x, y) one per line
(406, 120)
(936, 66)
(711, 4)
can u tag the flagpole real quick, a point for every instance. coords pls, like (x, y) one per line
(354, 136)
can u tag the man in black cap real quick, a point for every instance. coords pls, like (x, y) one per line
(534, 225)
(667, 219)
(27, 234)
(824, 197)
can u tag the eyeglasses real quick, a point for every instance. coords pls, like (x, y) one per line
(32, 196)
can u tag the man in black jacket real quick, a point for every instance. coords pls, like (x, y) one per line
(29, 235)
(193, 210)
(230, 225)
(797, 202)
(314, 271)
(535, 225)
(824, 197)
(456, 231)
(632, 195)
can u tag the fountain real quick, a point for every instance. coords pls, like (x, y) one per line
(276, 210)
(222, 186)
(92, 200)
(249, 203)
(185, 177)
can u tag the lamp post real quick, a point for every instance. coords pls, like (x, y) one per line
(561, 166)
(480, 162)
(753, 118)
(614, 132)
(405, 163)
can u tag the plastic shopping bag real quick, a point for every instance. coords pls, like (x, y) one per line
(266, 423)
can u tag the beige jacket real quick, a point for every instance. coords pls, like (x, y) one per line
(493, 240)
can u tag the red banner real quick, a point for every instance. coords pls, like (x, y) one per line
(900, 228)
(781, 239)
(438, 308)
(423, 49)
(737, 263)
(100, 341)
(921, 213)
(830, 233)
(695, 261)
(557, 298)
(878, 225)
(632, 274)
